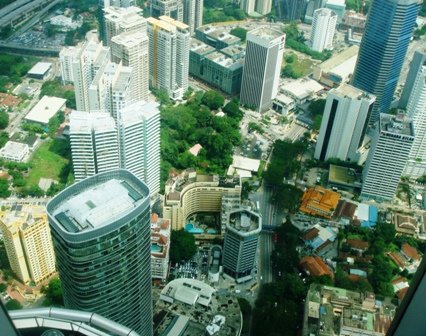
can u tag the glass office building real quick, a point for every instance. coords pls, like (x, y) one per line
(101, 236)
(384, 44)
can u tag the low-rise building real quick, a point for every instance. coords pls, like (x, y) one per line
(400, 286)
(220, 68)
(15, 151)
(45, 109)
(340, 312)
(189, 193)
(318, 201)
(191, 307)
(408, 258)
(338, 69)
(217, 37)
(315, 266)
(160, 247)
(283, 104)
(301, 90)
(319, 239)
(405, 224)
(40, 70)
(366, 215)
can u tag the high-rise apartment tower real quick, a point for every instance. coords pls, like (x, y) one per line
(27, 240)
(323, 27)
(169, 43)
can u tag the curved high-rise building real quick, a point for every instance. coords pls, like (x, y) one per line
(101, 237)
(384, 44)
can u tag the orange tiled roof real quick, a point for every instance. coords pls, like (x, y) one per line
(357, 244)
(319, 201)
(410, 251)
(397, 259)
(315, 266)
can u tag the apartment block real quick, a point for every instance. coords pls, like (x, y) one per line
(28, 242)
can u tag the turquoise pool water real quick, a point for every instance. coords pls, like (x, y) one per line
(191, 229)
(156, 248)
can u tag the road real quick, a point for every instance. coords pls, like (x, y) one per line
(271, 216)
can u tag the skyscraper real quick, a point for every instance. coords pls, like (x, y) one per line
(85, 64)
(169, 42)
(323, 27)
(132, 49)
(111, 89)
(290, 10)
(28, 243)
(139, 136)
(262, 67)
(240, 245)
(248, 6)
(101, 18)
(387, 158)
(193, 14)
(67, 56)
(383, 47)
(99, 143)
(416, 109)
(263, 7)
(119, 20)
(416, 64)
(94, 143)
(344, 123)
(171, 8)
(101, 236)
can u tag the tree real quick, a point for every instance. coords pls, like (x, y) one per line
(213, 99)
(13, 305)
(53, 293)
(3, 287)
(4, 188)
(182, 246)
(316, 107)
(239, 32)
(232, 109)
(4, 119)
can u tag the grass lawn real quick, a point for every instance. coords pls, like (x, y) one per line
(45, 163)
(302, 65)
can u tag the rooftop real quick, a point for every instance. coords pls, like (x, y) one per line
(97, 205)
(83, 122)
(200, 47)
(45, 109)
(161, 24)
(320, 201)
(398, 124)
(40, 68)
(244, 221)
(302, 88)
(189, 291)
(177, 24)
(130, 39)
(266, 33)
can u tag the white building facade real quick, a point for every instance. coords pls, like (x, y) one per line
(262, 68)
(416, 109)
(119, 20)
(323, 28)
(132, 49)
(391, 144)
(344, 123)
(169, 44)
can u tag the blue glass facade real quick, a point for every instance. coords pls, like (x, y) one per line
(388, 31)
(102, 246)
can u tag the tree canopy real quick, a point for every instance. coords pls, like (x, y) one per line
(54, 293)
(4, 119)
(213, 99)
(182, 246)
(13, 305)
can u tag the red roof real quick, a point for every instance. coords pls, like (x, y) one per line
(358, 244)
(315, 266)
(410, 251)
